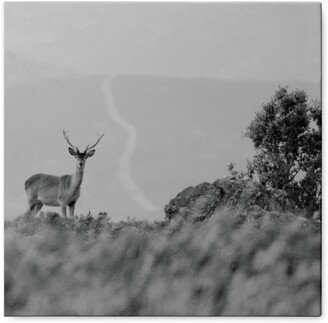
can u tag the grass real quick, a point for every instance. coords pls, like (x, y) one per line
(264, 263)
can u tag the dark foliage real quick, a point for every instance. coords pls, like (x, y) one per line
(287, 137)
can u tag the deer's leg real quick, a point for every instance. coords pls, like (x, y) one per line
(32, 202)
(63, 209)
(30, 208)
(34, 208)
(71, 209)
(38, 207)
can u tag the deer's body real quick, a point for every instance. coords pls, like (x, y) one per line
(63, 191)
(53, 190)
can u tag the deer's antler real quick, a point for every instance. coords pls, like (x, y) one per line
(89, 148)
(66, 137)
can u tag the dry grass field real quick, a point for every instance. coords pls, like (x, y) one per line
(260, 263)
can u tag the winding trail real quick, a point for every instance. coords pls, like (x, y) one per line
(125, 159)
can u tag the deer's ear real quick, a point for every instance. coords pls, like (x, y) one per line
(90, 153)
(71, 151)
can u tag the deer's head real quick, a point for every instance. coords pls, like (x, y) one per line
(81, 157)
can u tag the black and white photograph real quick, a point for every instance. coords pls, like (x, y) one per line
(162, 159)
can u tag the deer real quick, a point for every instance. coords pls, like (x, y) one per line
(63, 191)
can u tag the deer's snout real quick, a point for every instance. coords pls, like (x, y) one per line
(80, 163)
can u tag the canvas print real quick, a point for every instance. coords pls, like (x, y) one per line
(162, 159)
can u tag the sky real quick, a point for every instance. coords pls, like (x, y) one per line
(95, 67)
(260, 41)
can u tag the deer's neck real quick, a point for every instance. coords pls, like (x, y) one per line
(77, 178)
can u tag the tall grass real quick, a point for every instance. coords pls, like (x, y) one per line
(230, 264)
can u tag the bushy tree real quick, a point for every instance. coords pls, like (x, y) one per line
(286, 135)
(310, 184)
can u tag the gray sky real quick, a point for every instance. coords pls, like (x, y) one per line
(259, 41)
(172, 85)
